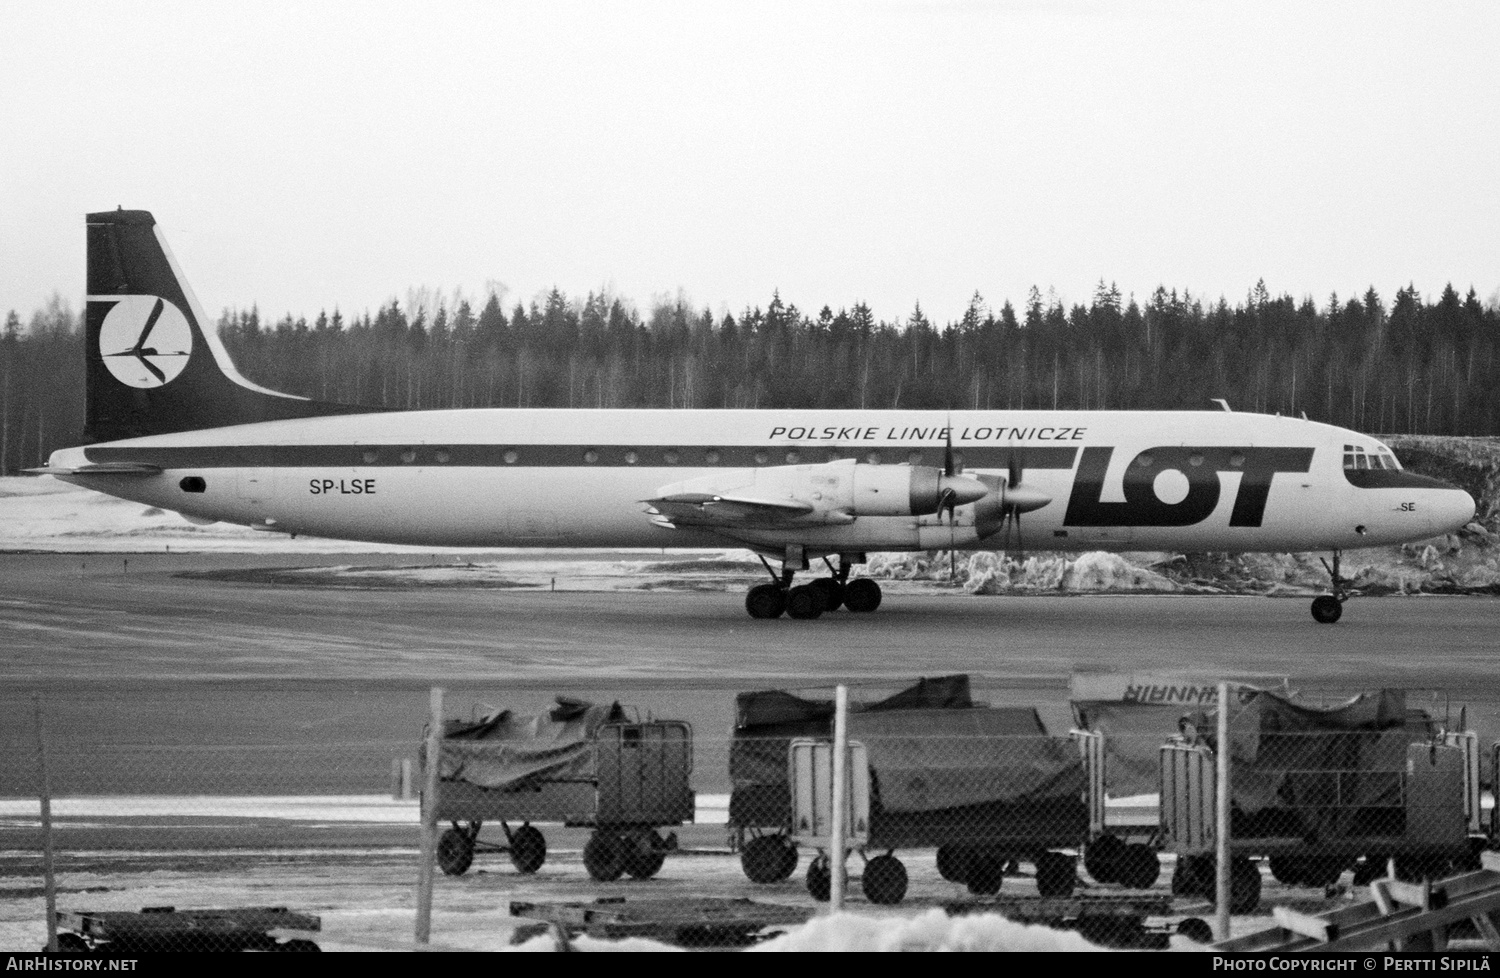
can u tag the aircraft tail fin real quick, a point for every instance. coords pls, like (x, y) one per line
(154, 364)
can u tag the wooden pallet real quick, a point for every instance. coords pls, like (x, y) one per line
(167, 928)
(701, 922)
(1399, 916)
(1112, 920)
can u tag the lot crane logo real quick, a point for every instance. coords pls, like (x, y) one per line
(145, 341)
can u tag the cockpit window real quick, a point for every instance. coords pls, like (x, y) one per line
(1358, 457)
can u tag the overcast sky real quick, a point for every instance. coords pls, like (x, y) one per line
(307, 156)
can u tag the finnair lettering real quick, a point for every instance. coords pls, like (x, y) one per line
(1170, 694)
(342, 487)
(1204, 468)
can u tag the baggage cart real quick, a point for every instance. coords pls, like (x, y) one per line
(985, 803)
(1416, 805)
(579, 766)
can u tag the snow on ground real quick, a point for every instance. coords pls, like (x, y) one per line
(381, 809)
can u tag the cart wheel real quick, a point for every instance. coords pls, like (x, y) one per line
(69, 943)
(1244, 885)
(298, 944)
(788, 859)
(644, 855)
(884, 880)
(953, 863)
(1196, 929)
(820, 879)
(528, 849)
(604, 856)
(985, 875)
(1369, 869)
(1101, 858)
(764, 859)
(1289, 870)
(1193, 877)
(1139, 867)
(455, 852)
(1055, 874)
(1324, 872)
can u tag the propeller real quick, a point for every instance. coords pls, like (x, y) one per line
(1018, 499)
(949, 500)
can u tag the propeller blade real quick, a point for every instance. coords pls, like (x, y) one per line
(948, 448)
(1013, 463)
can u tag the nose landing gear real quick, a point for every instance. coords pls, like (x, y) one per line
(1329, 608)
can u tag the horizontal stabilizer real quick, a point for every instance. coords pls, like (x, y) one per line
(98, 468)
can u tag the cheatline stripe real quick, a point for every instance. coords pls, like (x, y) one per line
(572, 456)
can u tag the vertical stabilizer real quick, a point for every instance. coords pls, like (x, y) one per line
(153, 363)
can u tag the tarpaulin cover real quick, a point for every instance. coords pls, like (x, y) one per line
(1299, 770)
(1316, 772)
(929, 747)
(926, 760)
(515, 752)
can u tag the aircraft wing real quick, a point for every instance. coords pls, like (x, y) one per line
(711, 510)
(98, 468)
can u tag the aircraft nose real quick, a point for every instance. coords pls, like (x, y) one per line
(1463, 508)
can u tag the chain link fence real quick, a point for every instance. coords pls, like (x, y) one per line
(587, 821)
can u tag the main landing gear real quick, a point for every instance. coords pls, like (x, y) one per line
(1329, 608)
(810, 600)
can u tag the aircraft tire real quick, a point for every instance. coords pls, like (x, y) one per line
(1326, 609)
(804, 602)
(765, 601)
(832, 592)
(862, 594)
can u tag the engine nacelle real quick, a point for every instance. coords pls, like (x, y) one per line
(832, 492)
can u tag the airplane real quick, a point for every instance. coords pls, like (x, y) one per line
(171, 423)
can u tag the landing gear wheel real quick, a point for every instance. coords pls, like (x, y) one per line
(884, 881)
(644, 855)
(455, 852)
(1138, 867)
(820, 879)
(768, 859)
(604, 857)
(528, 849)
(832, 592)
(985, 875)
(1326, 609)
(953, 863)
(862, 594)
(804, 601)
(765, 601)
(1102, 858)
(1055, 874)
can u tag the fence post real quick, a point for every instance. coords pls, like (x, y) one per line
(1221, 826)
(429, 817)
(49, 876)
(836, 844)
